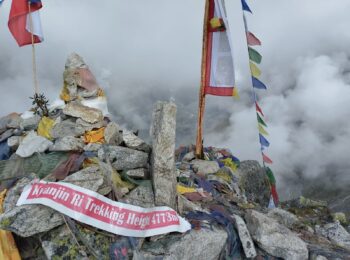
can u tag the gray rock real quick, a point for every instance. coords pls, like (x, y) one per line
(275, 238)
(184, 205)
(255, 183)
(202, 244)
(246, 240)
(283, 217)
(92, 147)
(142, 196)
(31, 144)
(189, 157)
(113, 134)
(205, 167)
(8, 133)
(336, 233)
(10, 121)
(87, 126)
(66, 128)
(28, 220)
(68, 143)
(88, 114)
(123, 158)
(134, 142)
(14, 141)
(162, 133)
(74, 61)
(30, 123)
(140, 173)
(60, 244)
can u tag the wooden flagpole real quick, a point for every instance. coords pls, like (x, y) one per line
(35, 79)
(201, 103)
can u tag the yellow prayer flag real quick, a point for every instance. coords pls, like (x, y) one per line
(254, 70)
(262, 130)
(183, 189)
(215, 23)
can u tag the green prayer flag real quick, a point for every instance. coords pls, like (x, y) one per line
(260, 120)
(254, 55)
(270, 175)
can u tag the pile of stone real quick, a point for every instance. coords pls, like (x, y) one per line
(226, 200)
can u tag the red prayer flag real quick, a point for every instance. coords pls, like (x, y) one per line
(274, 194)
(266, 159)
(19, 22)
(258, 108)
(252, 39)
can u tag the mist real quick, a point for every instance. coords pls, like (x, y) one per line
(144, 51)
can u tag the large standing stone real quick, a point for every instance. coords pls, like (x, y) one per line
(88, 114)
(202, 244)
(244, 236)
(336, 233)
(253, 180)
(134, 142)
(28, 220)
(123, 158)
(275, 238)
(163, 153)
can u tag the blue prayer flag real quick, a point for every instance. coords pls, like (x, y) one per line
(245, 6)
(263, 141)
(258, 84)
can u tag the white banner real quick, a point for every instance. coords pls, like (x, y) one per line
(91, 208)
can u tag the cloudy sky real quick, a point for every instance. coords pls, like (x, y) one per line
(143, 51)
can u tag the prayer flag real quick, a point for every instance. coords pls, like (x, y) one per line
(254, 55)
(258, 84)
(23, 23)
(266, 159)
(263, 141)
(218, 70)
(254, 70)
(252, 39)
(260, 120)
(258, 108)
(262, 130)
(270, 175)
(245, 6)
(274, 194)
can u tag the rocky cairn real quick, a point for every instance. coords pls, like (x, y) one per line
(225, 200)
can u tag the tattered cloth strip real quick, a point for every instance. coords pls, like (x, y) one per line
(233, 244)
(93, 209)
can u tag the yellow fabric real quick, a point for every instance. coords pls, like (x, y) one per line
(90, 161)
(215, 23)
(229, 163)
(8, 248)
(119, 183)
(224, 175)
(101, 93)
(45, 126)
(183, 189)
(235, 93)
(262, 130)
(254, 70)
(95, 136)
(65, 94)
